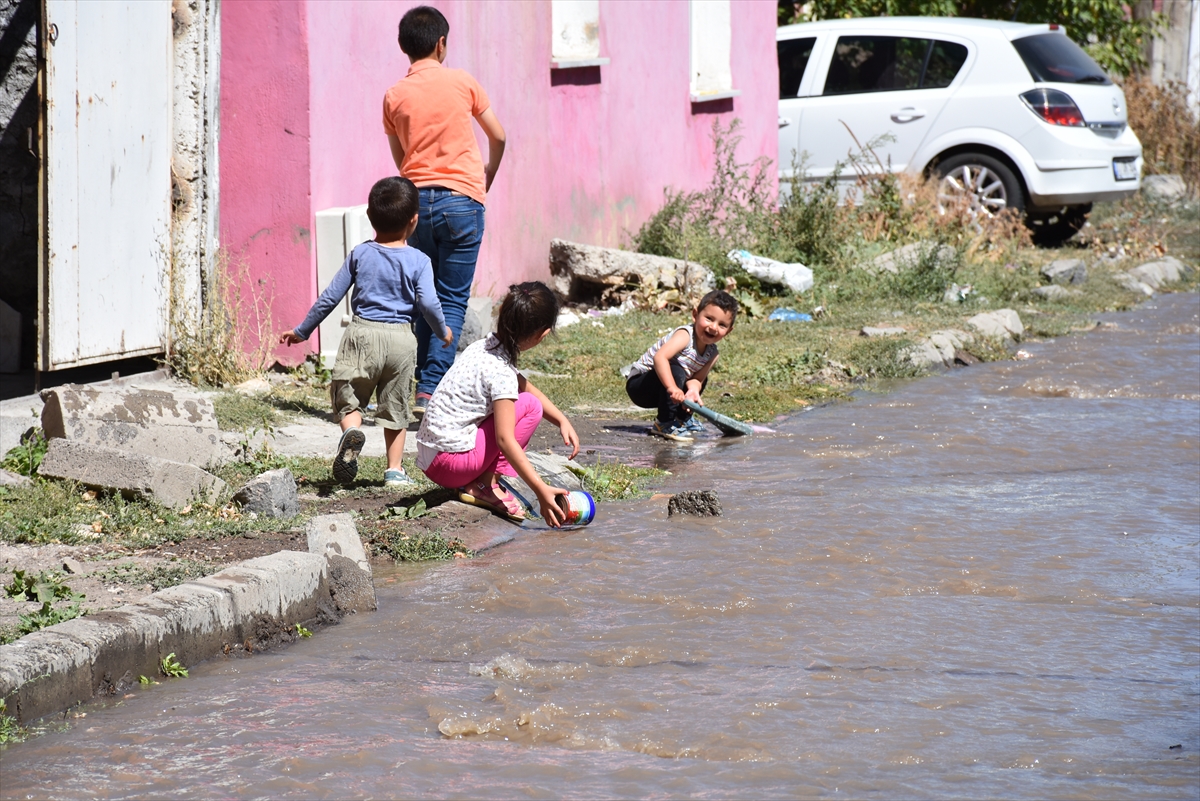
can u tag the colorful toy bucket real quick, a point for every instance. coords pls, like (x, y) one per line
(578, 506)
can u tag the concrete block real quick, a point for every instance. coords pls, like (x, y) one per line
(271, 494)
(170, 483)
(1159, 272)
(999, 324)
(1066, 271)
(1164, 188)
(581, 271)
(45, 672)
(336, 535)
(1056, 292)
(302, 580)
(169, 424)
(910, 255)
(252, 592)
(478, 322)
(10, 339)
(198, 619)
(8, 479)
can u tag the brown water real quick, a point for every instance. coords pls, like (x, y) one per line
(984, 584)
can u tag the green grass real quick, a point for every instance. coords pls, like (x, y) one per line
(613, 481)
(159, 577)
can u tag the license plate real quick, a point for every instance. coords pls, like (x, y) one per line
(1125, 169)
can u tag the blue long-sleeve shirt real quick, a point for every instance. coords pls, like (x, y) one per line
(389, 285)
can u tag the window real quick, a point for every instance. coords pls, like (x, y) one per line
(1053, 58)
(711, 40)
(890, 63)
(945, 60)
(576, 34)
(793, 60)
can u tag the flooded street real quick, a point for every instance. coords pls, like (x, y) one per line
(986, 583)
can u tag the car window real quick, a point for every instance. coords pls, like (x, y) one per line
(1053, 58)
(793, 60)
(875, 64)
(945, 60)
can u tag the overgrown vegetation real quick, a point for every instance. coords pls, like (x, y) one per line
(48, 589)
(1170, 135)
(26, 457)
(10, 730)
(159, 577)
(613, 481)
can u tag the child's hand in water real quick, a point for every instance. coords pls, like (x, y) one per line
(448, 340)
(552, 513)
(290, 338)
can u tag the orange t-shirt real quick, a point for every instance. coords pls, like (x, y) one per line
(431, 111)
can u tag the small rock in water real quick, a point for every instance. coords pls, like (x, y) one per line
(702, 503)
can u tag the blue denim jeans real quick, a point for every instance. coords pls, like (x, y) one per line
(449, 231)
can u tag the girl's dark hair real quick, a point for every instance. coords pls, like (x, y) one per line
(420, 29)
(528, 309)
(392, 204)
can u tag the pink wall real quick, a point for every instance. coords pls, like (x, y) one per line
(584, 162)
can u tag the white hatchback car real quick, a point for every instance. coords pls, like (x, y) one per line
(1008, 115)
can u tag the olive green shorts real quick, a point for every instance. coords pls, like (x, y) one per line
(375, 358)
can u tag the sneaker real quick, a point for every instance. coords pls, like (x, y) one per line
(694, 425)
(672, 431)
(419, 404)
(397, 479)
(345, 464)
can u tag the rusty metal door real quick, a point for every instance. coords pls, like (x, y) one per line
(106, 233)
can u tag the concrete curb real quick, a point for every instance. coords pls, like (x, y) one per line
(250, 606)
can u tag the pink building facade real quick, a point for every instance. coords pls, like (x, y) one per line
(590, 149)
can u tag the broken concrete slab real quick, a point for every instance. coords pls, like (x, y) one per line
(172, 484)
(910, 255)
(1155, 274)
(1131, 284)
(583, 271)
(939, 349)
(1066, 271)
(270, 494)
(8, 479)
(336, 535)
(999, 324)
(1056, 292)
(172, 424)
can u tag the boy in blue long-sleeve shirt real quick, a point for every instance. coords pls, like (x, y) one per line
(378, 351)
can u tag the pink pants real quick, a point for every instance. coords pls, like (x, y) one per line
(456, 470)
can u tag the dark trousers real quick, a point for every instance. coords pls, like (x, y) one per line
(449, 231)
(646, 391)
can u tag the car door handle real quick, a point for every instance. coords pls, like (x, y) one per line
(908, 114)
(784, 122)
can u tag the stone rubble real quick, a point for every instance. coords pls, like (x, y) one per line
(1066, 271)
(580, 272)
(699, 503)
(270, 494)
(999, 324)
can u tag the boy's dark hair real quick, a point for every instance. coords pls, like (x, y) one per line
(392, 203)
(723, 301)
(420, 30)
(528, 309)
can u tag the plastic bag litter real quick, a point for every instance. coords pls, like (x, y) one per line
(790, 316)
(795, 277)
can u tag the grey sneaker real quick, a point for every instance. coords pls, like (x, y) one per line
(676, 432)
(694, 425)
(345, 464)
(397, 479)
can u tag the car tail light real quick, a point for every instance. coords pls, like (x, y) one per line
(1055, 107)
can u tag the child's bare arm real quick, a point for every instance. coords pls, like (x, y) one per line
(553, 414)
(397, 150)
(662, 362)
(496, 139)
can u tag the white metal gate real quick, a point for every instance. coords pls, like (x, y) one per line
(106, 248)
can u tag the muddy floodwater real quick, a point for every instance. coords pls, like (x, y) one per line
(982, 584)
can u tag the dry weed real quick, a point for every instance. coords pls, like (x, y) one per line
(1170, 135)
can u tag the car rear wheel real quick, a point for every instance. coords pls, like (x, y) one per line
(984, 184)
(1052, 228)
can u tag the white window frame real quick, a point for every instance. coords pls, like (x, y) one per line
(575, 34)
(711, 35)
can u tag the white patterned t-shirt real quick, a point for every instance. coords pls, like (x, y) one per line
(479, 376)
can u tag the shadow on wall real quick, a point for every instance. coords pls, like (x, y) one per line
(18, 178)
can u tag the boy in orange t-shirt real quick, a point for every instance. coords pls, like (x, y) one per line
(427, 117)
